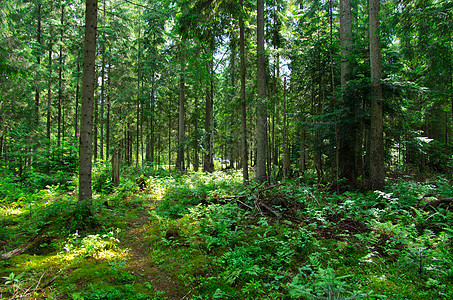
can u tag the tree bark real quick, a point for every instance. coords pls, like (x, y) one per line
(86, 118)
(181, 121)
(107, 121)
(76, 109)
(245, 166)
(38, 61)
(116, 166)
(49, 96)
(347, 137)
(261, 125)
(208, 159)
(60, 79)
(101, 113)
(377, 173)
(345, 40)
(286, 158)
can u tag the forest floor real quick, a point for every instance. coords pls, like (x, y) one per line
(205, 236)
(139, 263)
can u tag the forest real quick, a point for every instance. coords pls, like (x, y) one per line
(226, 149)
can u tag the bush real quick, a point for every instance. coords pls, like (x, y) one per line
(102, 177)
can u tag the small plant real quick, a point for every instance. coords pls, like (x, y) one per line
(121, 274)
(327, 285)
(14, 284)
(91, 244)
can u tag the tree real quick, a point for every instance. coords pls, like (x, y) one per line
(261, 123)
(86, 117)
(181, 119)
(245, 166)
(376, 136)
(348, 136)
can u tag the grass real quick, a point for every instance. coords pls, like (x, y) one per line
(204, 236)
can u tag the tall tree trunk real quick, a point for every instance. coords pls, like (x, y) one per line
(286, 157)
(181, 121)
(345, 40)
(60, 79)
(208, 159)
(101, 113)
(245, 165)
(86, 118)
(49, 96)
(38, 61)
(107, 125)
(332, 90)
(377, 172)
(169, 139)
(261, 122)
(139, 96)
(318, 134)
(76, 109)
(95, 123)
(347, 139)
(150, 135)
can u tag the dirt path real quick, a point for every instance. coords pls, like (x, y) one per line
(143, 268)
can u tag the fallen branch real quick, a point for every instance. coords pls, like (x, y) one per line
(18, 251)
(271, 187)
(268, 208)
(49, 282)
(436, 203)
(242, 203)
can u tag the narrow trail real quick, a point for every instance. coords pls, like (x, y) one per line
(141, 265)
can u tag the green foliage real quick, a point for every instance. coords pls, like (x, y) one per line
(91, 244)
(10, 188)
(226, 245)
(102, 178)
(190, 190)
(326, 285)
(97, 292)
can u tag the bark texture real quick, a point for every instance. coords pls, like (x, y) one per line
(245, 165)
(261, 123)
(376, 135)
(86, 116)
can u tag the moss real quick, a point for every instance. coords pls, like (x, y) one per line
(92, 272)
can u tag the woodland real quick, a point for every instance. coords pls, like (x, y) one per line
(226, 149)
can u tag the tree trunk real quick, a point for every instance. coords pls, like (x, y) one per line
(95, 124)
(150, 137)
(76, 109)
(49, 96)
(345, 40)
(86, 118)
(116, 167)
(169, 139)
(332, 90)
(245, 166)
(181, 121)
(107, 121)
(261, 122)
(60, 79)
(347, 138)
(208, 159)
(377, 173)
(102, 98)
(286, 158)
(38, 61)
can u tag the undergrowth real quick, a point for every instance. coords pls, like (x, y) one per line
(214, 239)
